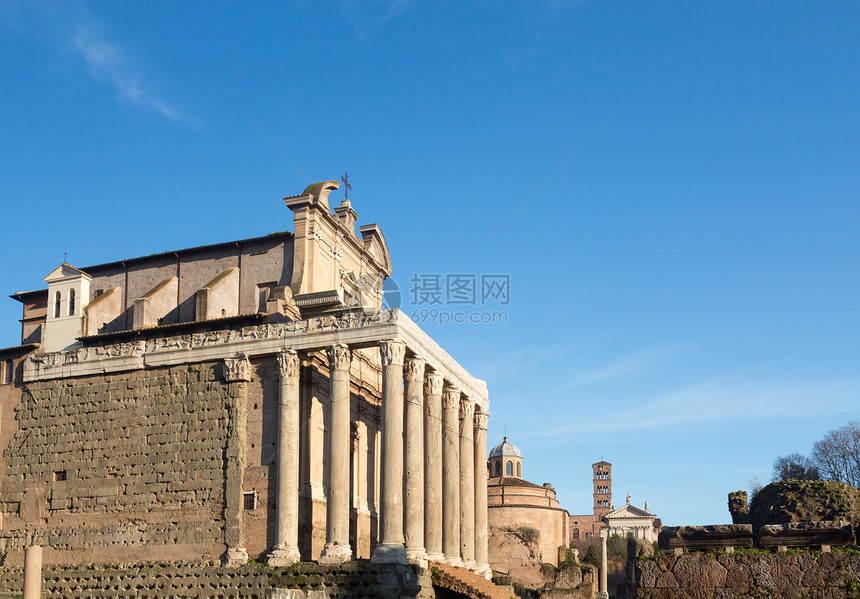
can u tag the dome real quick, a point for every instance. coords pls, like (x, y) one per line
(505, 449)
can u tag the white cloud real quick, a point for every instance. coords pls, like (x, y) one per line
(107, 62)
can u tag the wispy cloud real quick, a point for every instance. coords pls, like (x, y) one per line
(725, 400)
(363, 15)
(107, 62)
(69, 27)
(633, 363)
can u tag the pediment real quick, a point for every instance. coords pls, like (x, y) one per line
(65, 271)
(629, 511)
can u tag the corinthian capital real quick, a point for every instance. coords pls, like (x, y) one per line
(450, 397)
(413, 369)
(467, 408)
(392, 352)
(433, 384)
(237, 368)
(339, 357)
(481, 417)
(288, 363)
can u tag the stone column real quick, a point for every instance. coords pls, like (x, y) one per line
(451, 475)
(237, 373)
(604, 592)
(337, 549)
(286, 550)
(481, 474)
(467, 482)
(33, 572)
(390, 548)
(414, 504)
(433, 466)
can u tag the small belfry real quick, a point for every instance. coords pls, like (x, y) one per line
(602, 488)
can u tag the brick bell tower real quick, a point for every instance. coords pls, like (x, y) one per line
(602, 489)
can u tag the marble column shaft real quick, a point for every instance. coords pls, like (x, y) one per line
(237, 373)
(451, 474)
(390, 548)
(286, 550)
(467, 482)
(33, 572)
(414, 501)
(337, 547)
(433, 466)
(481, 475)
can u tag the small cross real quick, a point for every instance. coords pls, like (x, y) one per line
(346, 186)
(65, 256)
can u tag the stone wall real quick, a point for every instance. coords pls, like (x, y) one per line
(521, 538)
(746, 575)
(206, 580)
(127, 466)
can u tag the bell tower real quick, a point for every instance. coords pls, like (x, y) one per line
(602, 489)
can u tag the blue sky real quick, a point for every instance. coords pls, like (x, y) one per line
(671, 186)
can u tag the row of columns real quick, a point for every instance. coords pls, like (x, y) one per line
(432, 438)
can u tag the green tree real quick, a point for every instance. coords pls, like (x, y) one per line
(591, 556)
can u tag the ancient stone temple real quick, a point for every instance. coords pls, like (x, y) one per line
(248, 399)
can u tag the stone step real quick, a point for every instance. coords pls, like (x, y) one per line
(467, 582)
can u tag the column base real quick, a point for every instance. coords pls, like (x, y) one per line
(470, 565)
(601, 595)
(235, 557)
(485, 570)
(453, 561)
(335, 553)
(436, 557)
(389, 553)
(284, 556)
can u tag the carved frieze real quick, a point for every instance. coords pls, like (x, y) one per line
(339, 357)
(413, 369)
(237, 368)
(392, 352)
(288, 363)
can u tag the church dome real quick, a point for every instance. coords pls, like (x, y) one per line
(504, 449)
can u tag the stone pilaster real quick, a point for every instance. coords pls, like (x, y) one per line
(451, 475)
(337, 549)
(237, 373)
(467, 482)
(481, 475)
(390, 548)
(413, 372)
(286, 550)
(433, 466)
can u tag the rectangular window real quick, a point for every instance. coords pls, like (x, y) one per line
(9, 371)
(250, 502)
(59, 475)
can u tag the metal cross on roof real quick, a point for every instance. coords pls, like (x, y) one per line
(346, 186)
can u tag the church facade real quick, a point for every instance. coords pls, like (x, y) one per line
(248, 399)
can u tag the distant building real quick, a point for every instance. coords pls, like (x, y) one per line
(623, 521)
(526, 525)
(584, 526)
(630, 520)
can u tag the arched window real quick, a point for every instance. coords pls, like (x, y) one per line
(71, 302)
(519, 470)
(509, 468)
(498, 469)
(57, 305)
(575, 534)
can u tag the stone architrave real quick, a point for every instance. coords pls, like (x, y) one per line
(337, 549)
(390, 548)
(451, 475)
(413, 373)
(481, 475)
(237, 372)
(433, 466)
(467, 482)
(286, 550)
